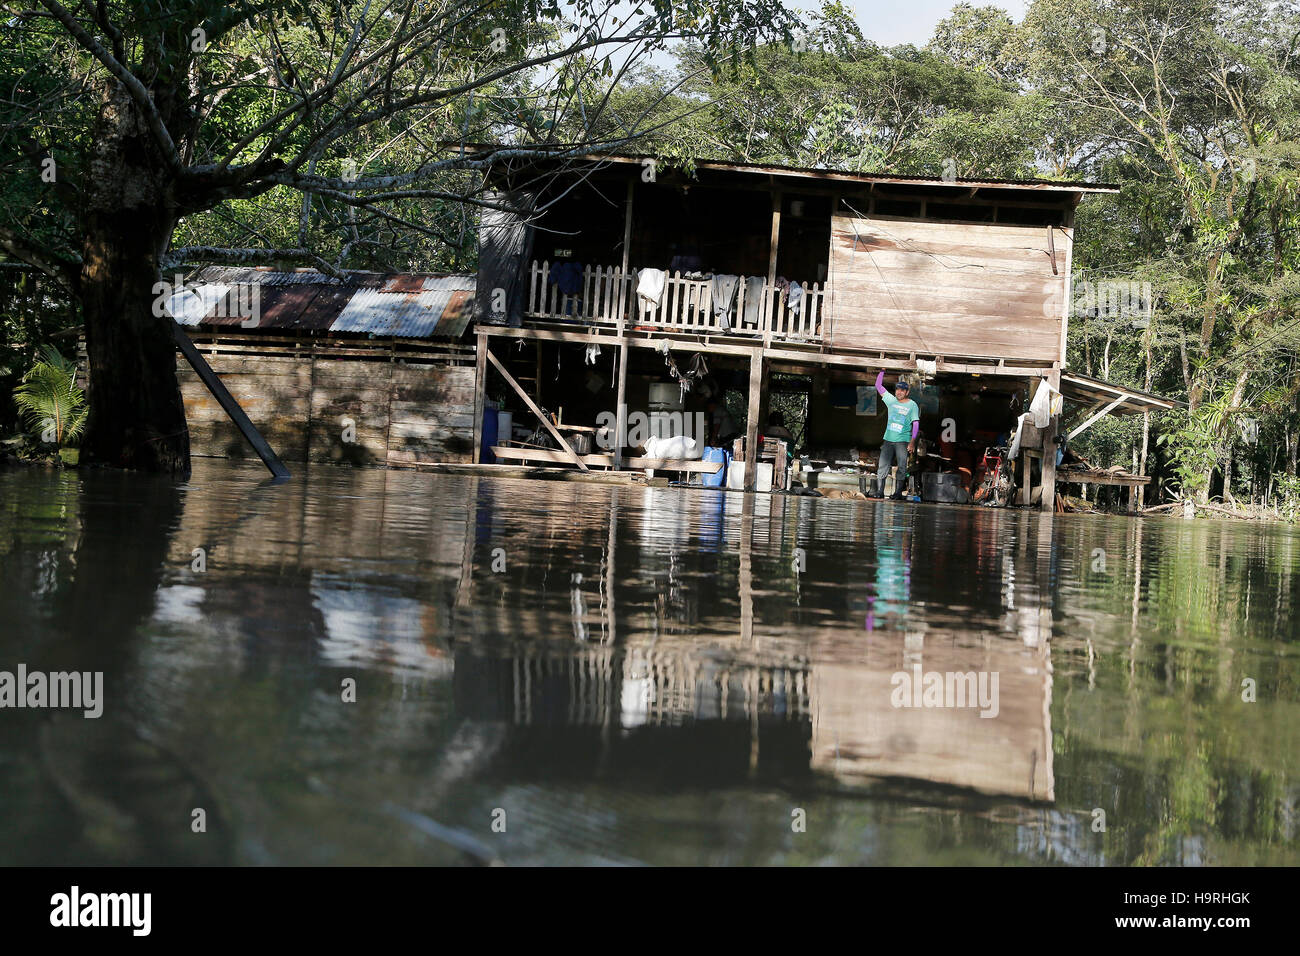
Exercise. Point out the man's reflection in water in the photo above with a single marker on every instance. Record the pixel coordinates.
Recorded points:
(891, 595)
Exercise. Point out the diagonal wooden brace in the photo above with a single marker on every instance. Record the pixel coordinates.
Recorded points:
(541, 416)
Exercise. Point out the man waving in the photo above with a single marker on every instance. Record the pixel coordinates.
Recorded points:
(900, 434)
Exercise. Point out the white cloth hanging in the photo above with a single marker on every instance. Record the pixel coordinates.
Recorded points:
(1014, 451)
(1045, 404)
(650, 286)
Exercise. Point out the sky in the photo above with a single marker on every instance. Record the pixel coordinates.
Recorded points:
(891, 22)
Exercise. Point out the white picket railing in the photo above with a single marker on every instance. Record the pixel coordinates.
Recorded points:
(607, 295)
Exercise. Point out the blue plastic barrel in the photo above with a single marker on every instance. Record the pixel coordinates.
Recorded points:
(716, 454)
(489, 437)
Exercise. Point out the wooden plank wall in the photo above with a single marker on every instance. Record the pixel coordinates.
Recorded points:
(273, 391)
(947, 288)
(315, 407)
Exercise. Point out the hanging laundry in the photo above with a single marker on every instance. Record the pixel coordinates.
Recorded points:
(754, 287)
(566, 275)
(1044, 405)
(723, 290)
(593, 352)
(795, 298)
(650, 286)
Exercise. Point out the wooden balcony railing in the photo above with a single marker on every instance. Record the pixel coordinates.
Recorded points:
(607, 294)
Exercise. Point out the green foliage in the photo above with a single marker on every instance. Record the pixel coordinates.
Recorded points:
(1288, 497)
(1193, 446)
(50, 400)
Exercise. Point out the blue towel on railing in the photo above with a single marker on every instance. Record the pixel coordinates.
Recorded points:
(567, 277)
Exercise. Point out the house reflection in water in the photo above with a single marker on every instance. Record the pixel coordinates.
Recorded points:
(658, 633)
(699, 655)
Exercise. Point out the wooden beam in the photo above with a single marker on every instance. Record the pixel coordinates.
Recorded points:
(620, 409)
(231, 407)
(548, 455)
(773, 245)
(524, 471)
(1048, 504)
(1101, 414)
(660, 464)
(480, 386)
(751, 431)
(961, 364)
(1068, 295)
(693, 465)
(541, 416)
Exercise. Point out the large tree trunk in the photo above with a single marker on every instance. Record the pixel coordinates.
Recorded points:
(137, 419)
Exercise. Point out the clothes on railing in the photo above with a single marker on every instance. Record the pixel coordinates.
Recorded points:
(700, 300)
(795, 299)
(723, 290)
(566, 275)
(754, 287)
(650, 286)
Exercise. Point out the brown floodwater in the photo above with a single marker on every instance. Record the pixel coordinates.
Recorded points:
(367, 666)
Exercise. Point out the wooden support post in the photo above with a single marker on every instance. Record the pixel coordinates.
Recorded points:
(780, 477)
(480, 387)
(620, 410)
(541, 416)
(751, 430)
(231, 407)
(1052, 378)
(767, 316)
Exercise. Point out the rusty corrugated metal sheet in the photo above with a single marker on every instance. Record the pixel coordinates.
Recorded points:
(322, 311)
(456, 316)
(404, 283)
(401, 306)
(413, 315)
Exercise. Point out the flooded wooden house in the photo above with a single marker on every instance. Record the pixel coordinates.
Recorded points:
(781, 288)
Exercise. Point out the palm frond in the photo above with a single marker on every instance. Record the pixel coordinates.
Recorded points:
(50, 399)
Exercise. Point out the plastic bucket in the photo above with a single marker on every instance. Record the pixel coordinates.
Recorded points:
(716, 454)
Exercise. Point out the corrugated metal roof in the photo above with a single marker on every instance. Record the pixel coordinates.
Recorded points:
(189, 306)
(401, 305)
(407, 315)
(481, 149)
(319, 314)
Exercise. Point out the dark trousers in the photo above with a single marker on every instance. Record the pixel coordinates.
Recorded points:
(892, 453)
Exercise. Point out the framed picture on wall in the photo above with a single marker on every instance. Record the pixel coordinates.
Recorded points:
(866, 403)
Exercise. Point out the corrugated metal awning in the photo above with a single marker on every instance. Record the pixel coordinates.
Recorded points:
(1126, 401)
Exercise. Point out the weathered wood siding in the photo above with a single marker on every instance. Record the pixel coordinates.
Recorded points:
(946, 288)
(274, 393)
(322, 404)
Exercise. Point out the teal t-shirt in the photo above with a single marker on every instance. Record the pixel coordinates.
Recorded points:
(901, 416)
